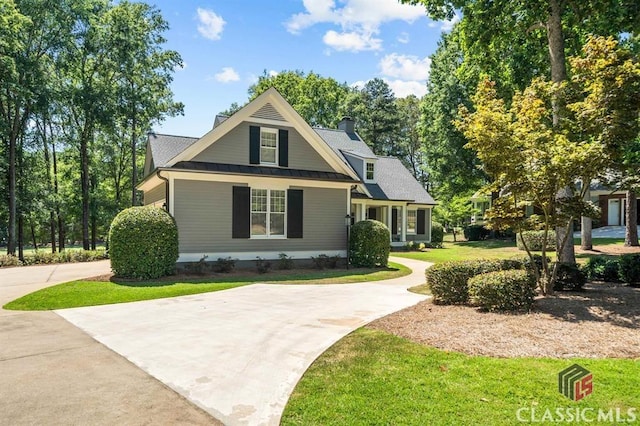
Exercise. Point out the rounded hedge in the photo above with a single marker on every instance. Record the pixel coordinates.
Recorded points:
(369, 244)
(510, 290)
(143, 243)
(437, 232)
(534, 240)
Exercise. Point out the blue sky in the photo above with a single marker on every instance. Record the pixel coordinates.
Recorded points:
(227, 44)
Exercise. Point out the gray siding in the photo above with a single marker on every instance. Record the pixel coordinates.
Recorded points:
(268, 112)
(357, 164)
(154, 195)
(233, 148)
(203, 214)
(427, 227)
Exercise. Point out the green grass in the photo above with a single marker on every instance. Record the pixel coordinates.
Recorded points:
(91, 293)
(374, 378)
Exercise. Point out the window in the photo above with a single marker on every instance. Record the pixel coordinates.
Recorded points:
(268, 210)
(412, 219)
(370, 171)
(268, 146)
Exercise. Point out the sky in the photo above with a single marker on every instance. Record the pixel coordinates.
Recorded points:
(227, 44)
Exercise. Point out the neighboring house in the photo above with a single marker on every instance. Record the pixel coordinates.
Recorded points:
(263, 182)
(612, 203)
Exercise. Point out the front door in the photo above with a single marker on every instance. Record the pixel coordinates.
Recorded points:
(614, 212)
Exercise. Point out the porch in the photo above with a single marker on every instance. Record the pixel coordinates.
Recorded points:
(407, 222)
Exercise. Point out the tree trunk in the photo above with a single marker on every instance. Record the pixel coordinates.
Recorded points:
(586, 242)
(133, 158)
(84, 178)
(11, 243)
(555, 38)
(20, 235)
(47, 164)
(33, 235)
(94, 231)
(631, 232)
(57, 201)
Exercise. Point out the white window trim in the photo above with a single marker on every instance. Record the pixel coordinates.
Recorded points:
(366, 173)
(277, 149)
(268, 213)
(415, 230)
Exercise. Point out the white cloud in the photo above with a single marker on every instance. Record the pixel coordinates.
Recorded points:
(403, 88)
(446, 26)
(359, 20)
(405, 67)
(210, 25)
(351, 41)
(273, 73)
(403, 38)
(227, 75)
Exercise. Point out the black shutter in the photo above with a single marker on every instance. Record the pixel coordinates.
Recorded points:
(294, 213)
(254, 145)
(394, 221)
(421, 220)
(241, 212)
(372, 213)
(283, 148)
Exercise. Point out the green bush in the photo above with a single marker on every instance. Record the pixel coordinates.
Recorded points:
(262, 265)
(437, 232)
(448, 281)
(629, 268)
(143, 243)
(369, 244)
(9, 260)
(510, 290)
(224, 265)
(325, 262)
(284, 261)
(476, 232)
(534, 240)
(602, 268)
(569, 277)
(42, 257)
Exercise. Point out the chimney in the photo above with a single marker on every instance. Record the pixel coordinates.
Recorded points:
(347, 124)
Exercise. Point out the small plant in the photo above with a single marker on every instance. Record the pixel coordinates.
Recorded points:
(262, 265)
(535, 240)
(284, 261)
(569, 277)
(9, 260)
(422, 246)
(509, 290)
(437, 232)
(325, 262)
(369, 244)
(602, 268)
(476, 233)
(629, 268)
(224, 265)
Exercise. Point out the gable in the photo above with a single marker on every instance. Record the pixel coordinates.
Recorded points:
(272, 111)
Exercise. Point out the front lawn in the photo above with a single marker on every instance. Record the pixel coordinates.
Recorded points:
(372, 377)
(90, 293)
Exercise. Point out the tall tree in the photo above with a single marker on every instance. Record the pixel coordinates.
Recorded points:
(409, 137)
(317, 99)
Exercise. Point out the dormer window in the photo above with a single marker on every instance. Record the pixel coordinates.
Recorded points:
(370, 172)
(268, 146)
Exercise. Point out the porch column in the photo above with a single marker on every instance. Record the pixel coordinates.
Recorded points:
(363, 211)
(403, 236)
(389, 215)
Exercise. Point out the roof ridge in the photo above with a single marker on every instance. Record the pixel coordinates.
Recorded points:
(175, 136)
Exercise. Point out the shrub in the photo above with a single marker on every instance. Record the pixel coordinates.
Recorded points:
(323, 261)
(285, 262)
(143, 243)
(369, 244)
(534, 240)
(437, 232)
(602, 268)
(569, 277)
(629, 268)
(224, 265)
(262, 266)
(448, 280)
(502, 290)
(476, 232)
(9, 260)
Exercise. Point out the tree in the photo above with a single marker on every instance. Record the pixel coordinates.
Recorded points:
(562, 20)
(532, 159)
(409, 137)
(454, 212)
(317, 99)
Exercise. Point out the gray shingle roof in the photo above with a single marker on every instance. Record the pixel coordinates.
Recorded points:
(340, 141)
(165, 147)
(395, 182)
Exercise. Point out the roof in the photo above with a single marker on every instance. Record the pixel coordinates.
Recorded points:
(262, 171)
(341, 142)
(165, 147)
(395, 182)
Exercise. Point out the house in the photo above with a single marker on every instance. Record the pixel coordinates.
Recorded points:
(612, 203)
(263, 182)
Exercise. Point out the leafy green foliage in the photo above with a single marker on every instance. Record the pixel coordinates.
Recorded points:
(535, 240)
(569, 277)
(143, 243)
(510, 290)
(448, 280)
(224, 265)
(629, 268)
(284, 261)
(602, 268)
(476, 232)
(369, 244)
(437, 232)
(262, 265)
(454, 212)
(323, 261)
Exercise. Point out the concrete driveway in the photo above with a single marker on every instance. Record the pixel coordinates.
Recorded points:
(239, 353)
